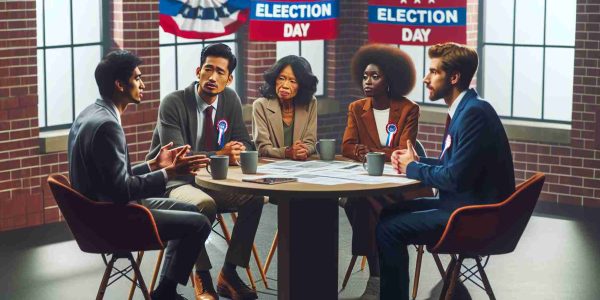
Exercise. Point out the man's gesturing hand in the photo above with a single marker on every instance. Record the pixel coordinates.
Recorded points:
(186, 165)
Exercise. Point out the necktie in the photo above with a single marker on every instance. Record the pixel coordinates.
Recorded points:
(448, 119)
(208, 130)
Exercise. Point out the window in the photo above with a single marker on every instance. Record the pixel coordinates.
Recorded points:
(420, 58)
(527, 58)
(313, 51)
(69, 46)
(179, 58)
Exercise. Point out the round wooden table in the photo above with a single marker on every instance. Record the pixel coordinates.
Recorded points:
(308, 228)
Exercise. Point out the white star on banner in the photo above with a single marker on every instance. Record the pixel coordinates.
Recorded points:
(402, 1)
(417, 2)
(431, 2)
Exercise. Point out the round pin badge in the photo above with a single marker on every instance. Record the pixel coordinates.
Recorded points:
(391, 128)
(222, 125)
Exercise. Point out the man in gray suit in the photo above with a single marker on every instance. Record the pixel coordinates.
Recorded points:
(208, 115)
(100, 169)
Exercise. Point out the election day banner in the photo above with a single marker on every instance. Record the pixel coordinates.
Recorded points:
(418, 22)
(202, 19)
(291, 20)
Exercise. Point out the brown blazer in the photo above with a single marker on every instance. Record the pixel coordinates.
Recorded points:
(267, 126)
(362, 129)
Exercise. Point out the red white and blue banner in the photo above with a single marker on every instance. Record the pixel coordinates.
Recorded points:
(291, 20)
(418, 22)
(194, 19)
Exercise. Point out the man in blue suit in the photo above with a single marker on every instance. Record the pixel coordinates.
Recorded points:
(475, 166)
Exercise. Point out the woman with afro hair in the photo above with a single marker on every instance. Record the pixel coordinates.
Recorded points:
(383, 121)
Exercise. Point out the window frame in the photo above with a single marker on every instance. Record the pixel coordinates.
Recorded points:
(104, 46)
(481, 43)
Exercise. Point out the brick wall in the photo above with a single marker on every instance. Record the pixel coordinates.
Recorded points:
(20, 165)
(256, 58)
(25, 200)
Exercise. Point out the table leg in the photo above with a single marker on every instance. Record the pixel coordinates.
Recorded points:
(308, 249)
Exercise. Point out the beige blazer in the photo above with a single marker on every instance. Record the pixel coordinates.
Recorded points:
(267, 126)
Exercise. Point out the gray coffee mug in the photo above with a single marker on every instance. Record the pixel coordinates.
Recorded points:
(326, 149)
(374, 163)
(249, 161)
(218, 166)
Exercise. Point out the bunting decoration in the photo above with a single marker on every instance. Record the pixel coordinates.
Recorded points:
(196, 19)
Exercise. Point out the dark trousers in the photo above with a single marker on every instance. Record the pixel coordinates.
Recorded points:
(363, 215)
(410, 222)
(185, 229)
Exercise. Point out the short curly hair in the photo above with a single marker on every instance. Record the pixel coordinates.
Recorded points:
(396, 65)
(307, 81)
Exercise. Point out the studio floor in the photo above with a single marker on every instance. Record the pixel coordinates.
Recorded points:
(558, 257)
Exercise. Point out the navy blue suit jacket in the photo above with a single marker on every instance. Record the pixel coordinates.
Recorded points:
(99, 165)
(477, 166)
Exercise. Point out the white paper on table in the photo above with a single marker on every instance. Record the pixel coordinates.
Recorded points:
(316, 179)
(331, 172)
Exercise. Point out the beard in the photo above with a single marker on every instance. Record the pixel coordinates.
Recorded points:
(442, 92)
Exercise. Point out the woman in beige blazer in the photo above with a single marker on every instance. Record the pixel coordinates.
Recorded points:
(284, 123)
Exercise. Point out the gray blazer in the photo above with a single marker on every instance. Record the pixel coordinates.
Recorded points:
(178, 123)
(99, 165)
(267, 126)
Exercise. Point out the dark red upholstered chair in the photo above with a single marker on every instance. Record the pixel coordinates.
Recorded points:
(481, 230)
(107, 229)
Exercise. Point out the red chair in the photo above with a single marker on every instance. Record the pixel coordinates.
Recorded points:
(482, 230)
(107, 229)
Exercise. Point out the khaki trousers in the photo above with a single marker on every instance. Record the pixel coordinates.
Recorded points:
(210, 203)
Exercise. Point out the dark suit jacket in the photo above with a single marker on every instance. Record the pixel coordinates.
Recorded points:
(178, 123)
(477, 167)
(99, 166)
(362, 128)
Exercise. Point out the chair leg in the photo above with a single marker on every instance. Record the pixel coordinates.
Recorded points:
(417, 271)
(271, 252)
(363, 263)
(224, 228)
(349, 271)
(156, 269)
(446, 278)
(439, 265)
(140, 279)
(263, 276)
(486, 282)
(454, 278)
(138, 261)
(105, 278)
